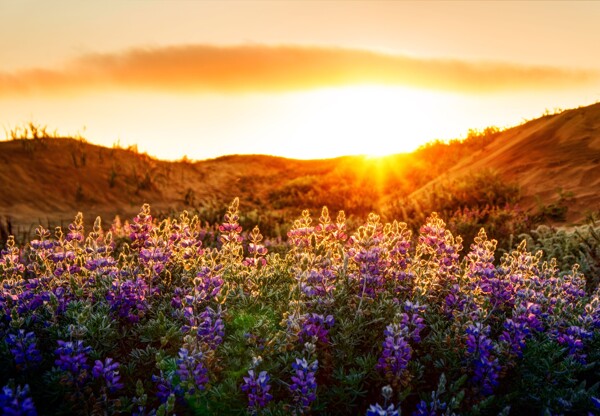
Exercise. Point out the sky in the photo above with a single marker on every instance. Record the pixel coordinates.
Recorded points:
(296, 79)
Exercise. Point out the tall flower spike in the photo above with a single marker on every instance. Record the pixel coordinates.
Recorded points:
(73, 359)
(486, 365)
(108, 371)
(16, 401)
(304, 384)
(396, 353)
(257, 388)
(24, 349)
(191, 371)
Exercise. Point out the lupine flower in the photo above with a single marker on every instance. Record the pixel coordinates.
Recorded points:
(191, 370)
(314, 325)
(304, 384)
(207, 285)
(141, 227)
(230, 237)
(76, 230)
(368, 253)
(414, 322)
(438, 245)
(318, 282)
(10, 260)
(257, 250)
(24, 349)
(378, 410)
(514, 336)
(257, 389)
(165, 387)
(301, 232)
(72, 357)
(129, 299)
(211, 328)
(109, 373)
(396, 352)
(16, 402)
(429, 409)
(572, 337)
(481, 350)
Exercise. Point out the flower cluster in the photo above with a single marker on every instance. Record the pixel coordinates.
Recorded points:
(257, 388)
(211, 328)
(108, 372)
(482, 351)
(16, 402)
(73, 359)
(304, 384)
(315, 327)
(396, 353)
(185, 305)
(129, 299)
(23, 347)
(191, 371)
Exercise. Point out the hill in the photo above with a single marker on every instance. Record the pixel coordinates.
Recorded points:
(553, 160)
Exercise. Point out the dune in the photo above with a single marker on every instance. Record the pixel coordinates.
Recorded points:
(549, 157)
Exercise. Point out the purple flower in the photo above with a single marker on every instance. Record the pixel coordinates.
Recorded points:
(315, 325)
(24, 349)
(141, 227)
(514, 336)
(304, 384)
(436, 244)
(211, 328)
(481, 350)
(318, 282)
(396, 352)
(109, 372)
(434, 408)
(16, 402)
(75, 233)
(207, 285)
(257, 389)
(164, 387)
(129, 299)
(72, 358)
(572, 337)
(378, 410)
(191, 370)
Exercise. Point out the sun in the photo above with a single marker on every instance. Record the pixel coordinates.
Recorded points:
(368, 120)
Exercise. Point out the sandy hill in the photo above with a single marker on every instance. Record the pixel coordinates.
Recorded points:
(549, 157)
(47, 181)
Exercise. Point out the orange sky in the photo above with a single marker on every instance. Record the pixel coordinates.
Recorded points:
(298, 79)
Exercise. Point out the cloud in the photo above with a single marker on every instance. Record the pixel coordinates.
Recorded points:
(259, 68)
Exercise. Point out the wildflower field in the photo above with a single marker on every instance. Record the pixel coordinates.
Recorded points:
(177, 317)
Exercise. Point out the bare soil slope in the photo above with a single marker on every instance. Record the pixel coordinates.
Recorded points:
(553, 155)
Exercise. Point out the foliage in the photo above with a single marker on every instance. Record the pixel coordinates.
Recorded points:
(580, 245)
(176, 316)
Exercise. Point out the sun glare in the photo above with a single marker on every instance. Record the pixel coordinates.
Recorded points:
(369, 120)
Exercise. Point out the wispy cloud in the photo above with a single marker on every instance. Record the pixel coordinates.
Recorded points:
(259, 68)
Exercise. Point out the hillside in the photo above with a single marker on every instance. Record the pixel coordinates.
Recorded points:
(48, 180)
(552, 157)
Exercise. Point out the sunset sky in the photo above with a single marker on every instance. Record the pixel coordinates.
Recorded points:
(297, 79)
